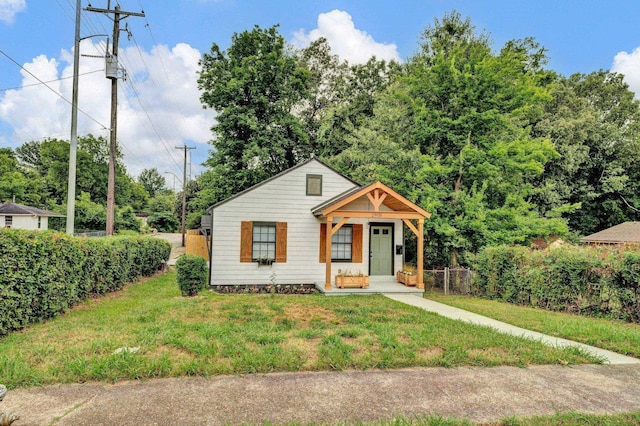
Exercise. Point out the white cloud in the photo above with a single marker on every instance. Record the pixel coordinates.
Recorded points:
(9, 9)
(629, 65)
(348, 42)
(158, 106)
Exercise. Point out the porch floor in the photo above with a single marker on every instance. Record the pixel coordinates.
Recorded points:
(377, 285)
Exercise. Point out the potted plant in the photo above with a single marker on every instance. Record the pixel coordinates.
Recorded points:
(408, 275)
(265, 260)
(347, 279)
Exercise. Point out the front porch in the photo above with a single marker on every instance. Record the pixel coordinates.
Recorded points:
(377, 285)
(374, 202)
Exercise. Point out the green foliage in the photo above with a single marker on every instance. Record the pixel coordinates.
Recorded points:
(163, 222)
(43, 274)
(191, 274)
(594, 122)
(452, 133)
(126, 219)
(89, 216)
(152, 181)
(253, 86)
(17, 183)
(573, 279)
(45, 167)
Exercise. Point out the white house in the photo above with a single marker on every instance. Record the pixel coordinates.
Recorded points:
(276, 231)
(13, 215)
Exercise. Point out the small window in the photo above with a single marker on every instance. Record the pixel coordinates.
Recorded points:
(314, 184)
(341, 244)
(8, 221)
(264, 241)
(39, 222)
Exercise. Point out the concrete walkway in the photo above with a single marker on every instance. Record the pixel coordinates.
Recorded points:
(462, 315)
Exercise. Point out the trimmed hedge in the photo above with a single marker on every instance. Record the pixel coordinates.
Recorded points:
(44, 273)
(581, 280)
(191, 273)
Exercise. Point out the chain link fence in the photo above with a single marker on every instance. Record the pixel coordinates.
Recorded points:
(451, 280)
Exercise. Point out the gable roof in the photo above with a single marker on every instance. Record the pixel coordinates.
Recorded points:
(15, 209)
(627, 232)
(392, 200)
(297, 166)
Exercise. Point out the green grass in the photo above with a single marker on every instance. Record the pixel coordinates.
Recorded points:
(614, 335)
(575, 419)
(560, 419)
(218, 334)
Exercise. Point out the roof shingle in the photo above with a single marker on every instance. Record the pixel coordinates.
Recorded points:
(627, 232)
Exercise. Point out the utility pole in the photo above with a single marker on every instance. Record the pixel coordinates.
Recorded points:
(73, 142)
(184, 188)
(112, 74)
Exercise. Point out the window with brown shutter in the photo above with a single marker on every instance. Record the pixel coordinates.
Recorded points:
(246, 241)
(338, 244)
(356, 249)
(281, 242)
(263, 240)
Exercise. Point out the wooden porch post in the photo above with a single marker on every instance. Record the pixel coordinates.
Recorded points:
(327, 250)
(420, 253)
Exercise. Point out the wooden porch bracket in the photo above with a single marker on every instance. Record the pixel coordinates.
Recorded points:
(327, 250)
(419, 233)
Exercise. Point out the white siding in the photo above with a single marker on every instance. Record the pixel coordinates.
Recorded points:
(25, 222)
(284, 199)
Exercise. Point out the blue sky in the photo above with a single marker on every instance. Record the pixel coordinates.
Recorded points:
(159, 105)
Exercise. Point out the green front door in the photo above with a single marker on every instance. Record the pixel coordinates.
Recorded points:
(381, 250)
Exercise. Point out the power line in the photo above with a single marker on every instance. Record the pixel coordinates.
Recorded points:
(49, 81)
(50, 88)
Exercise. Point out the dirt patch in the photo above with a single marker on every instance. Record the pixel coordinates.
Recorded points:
(430, 354)
(309, 349)
(307, 313)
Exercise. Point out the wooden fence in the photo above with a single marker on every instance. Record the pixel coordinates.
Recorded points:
(197, 244)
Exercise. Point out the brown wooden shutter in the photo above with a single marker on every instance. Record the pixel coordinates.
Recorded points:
(281, 242)
(356, 243)
(246, 241)
(323, 243)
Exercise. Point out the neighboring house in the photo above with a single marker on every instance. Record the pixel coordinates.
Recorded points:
(276, 231)
(13, 215)
(627, 233)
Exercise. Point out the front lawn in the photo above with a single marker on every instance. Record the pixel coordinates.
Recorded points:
(614, 335)
(164, 334)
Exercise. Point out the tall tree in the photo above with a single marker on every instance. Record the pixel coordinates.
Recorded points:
(254, 87)
(16, 183)
(467, 111)
(594, 122)
(152, 181)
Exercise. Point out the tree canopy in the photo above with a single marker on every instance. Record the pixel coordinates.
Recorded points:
(499, 148)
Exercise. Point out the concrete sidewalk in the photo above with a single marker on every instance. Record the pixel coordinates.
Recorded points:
(479, 394)
(462, 315)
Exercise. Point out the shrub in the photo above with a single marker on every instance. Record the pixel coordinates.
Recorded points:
(44, 273)
(163, 222)
(191, 274)
(581, 280)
